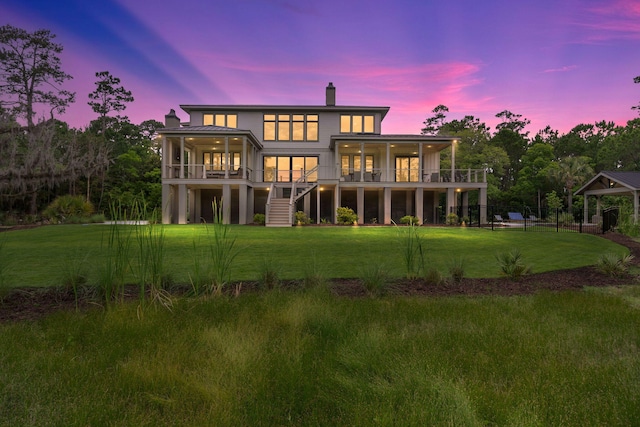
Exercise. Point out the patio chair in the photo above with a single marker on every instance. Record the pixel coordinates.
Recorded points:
(515, 216)
(498, 218)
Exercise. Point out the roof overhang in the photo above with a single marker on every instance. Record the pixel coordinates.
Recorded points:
(439, 142)
(211, 132)
(188, 108)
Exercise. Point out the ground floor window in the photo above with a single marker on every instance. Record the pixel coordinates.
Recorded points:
(289, 168)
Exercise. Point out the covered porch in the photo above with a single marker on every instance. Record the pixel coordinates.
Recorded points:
(611, 183)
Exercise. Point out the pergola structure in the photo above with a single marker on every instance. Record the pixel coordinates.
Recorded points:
(612, 183)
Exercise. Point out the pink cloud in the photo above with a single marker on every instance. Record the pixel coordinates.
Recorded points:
(561, 69)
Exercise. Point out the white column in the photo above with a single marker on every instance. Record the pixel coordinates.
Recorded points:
(336, 203)
(585, 209)
(166, 204)
(226, 203)
(182, 157)
(226, 156)
(182, 203)
(360, 204)
(451, 200)
(420, 204)
(387, 206)
(453, 161)
(482, 200)
(318, 205)
(242, 204)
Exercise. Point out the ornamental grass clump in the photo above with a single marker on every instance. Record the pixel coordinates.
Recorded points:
(269, 274)
(614, 264)
(457, 269)
(412, 249)
(375, 279)
(512, 265)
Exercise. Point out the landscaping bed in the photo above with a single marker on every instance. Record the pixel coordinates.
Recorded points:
(32, 303)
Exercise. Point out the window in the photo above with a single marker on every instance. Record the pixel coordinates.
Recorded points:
(224, 120)
(289, 168)
(356, 123)
(407, 169)
(351, 163)
(290, 127)
(216, 161)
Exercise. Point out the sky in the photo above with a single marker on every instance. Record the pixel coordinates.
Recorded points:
(558, 63)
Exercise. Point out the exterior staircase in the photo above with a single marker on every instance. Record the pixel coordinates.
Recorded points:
(279, 213)
(279, 210)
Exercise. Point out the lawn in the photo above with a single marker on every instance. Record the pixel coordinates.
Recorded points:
(310, 358)
(40, 257)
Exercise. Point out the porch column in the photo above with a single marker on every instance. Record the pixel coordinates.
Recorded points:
(420, 204)
(420, 165)
(387, 205)
(451, 200)
(166, 159)
(182, 202)
(166, 204)
(585, 209)
(408, 203)
(243, 162)
(336, 205)
(598, 205)
(482, 200)
(388, 160)
(362, 165)
(465, 203)
(197, 201)
(436, 204)
(226, 157)
(306, 204)
(242, 204)
(251, 204)
(360, 204)
(192, 206)
(182, 157)
(453, 161)
(318, 189)
(226, 202)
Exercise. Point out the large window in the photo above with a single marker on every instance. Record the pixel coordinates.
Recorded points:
(289, 168)
(352, 163)
(224, 120)
(290, 127)
(216, 161)
(356, 123)
(407, 169)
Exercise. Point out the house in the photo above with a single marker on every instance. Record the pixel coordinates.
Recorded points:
(279, 159)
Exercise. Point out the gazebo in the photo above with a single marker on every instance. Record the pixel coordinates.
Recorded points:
(611, 183)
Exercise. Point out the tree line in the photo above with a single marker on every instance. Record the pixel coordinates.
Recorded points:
(538, 170)
(110, 161)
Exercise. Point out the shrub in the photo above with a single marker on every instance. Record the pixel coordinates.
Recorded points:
(410, 219)
(302, 218)
(259, 219)
(68, 208)
(565, 218)
(433, 276)
(452, 219)
(346, 216)
(374, 278)
(456, 269)
(613, 264)
(269, 274)
(511, 264)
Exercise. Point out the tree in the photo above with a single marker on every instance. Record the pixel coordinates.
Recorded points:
(109, 96)
(570, 172)
(432, 125)
(636, 80)
(30, 72)
(513, 122)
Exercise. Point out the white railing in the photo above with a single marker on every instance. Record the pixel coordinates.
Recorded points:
(202, 171)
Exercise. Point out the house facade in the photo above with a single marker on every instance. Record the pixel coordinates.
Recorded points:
(280, 159)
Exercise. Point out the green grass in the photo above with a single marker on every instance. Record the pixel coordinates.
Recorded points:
(282, 358)
(37, 254)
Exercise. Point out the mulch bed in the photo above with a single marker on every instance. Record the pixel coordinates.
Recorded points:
(27, 304)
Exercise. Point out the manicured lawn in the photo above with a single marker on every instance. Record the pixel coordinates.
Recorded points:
(37, 257)
(294, 358)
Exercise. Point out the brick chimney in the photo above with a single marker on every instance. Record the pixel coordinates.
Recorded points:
(171, 120)
(331, 95)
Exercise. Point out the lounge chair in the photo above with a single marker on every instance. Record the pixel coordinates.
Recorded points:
(498, 218)
(515, 216)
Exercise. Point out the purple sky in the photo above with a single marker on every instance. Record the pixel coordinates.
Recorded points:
(558, 63)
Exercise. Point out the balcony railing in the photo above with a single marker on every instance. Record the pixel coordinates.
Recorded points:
(205, 172)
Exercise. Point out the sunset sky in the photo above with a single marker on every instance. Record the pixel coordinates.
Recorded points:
(558, 63)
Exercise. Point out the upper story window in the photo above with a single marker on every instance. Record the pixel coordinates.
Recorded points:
(290, 127)
(225, 120)
(356, 123)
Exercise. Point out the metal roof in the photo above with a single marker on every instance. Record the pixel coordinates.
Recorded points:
(286, 108)
(212, 131)
(445, 141)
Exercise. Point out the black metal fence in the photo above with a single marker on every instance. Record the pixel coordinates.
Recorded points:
(543, 219)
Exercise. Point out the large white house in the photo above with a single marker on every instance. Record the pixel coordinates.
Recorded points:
(279, 159)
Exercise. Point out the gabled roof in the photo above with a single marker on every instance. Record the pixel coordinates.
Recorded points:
(612, 182)
(210, 130)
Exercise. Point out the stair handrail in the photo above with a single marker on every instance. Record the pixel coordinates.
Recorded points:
(268, 206)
